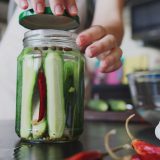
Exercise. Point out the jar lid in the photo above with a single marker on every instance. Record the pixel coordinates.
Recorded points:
(29, 19)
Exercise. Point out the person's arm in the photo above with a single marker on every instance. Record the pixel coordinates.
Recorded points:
(11, 10)
(103, 38)
(109, 14)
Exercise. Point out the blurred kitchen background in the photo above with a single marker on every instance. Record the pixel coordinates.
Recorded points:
(3, 16)
(108, 96)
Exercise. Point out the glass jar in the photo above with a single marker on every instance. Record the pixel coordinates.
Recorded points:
(50, 87)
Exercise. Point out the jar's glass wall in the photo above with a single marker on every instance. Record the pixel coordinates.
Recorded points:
(50, 94)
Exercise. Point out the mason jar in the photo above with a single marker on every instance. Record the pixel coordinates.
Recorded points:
(50, 87)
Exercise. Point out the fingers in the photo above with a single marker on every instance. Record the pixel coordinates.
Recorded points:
(105, 44)
(112, 61)
(57, 6)
(111, 68)
(38, 5)
(101, 45)
(71, 7)
(90, 35)
(23, 4)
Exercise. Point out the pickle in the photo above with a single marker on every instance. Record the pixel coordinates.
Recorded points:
(30, 69)
(53, 68)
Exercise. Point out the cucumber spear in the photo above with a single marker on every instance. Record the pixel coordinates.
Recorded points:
(30, 67)
(53, 67)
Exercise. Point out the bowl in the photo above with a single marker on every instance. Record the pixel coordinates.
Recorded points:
(145, 92)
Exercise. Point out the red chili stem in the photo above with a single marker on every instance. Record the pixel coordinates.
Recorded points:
(42, 94)
(116, 149)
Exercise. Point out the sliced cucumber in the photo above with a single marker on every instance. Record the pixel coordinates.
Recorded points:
(69, 91)
(53, 67)
(18, 96)
(79, 107)
(19, 88)
(38, 128)
(36, 105)
(30, 67)
(74, 92)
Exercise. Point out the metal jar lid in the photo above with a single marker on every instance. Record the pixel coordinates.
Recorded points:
(29, 19)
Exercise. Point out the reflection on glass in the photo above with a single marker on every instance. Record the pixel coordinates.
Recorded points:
(45, 151)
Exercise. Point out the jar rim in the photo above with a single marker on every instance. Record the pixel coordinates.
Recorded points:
(50, 37)
(49, 33)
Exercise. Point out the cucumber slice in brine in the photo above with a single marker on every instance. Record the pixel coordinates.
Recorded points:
(27, 78)
(53, 68)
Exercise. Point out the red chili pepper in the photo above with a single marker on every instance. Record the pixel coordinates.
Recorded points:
(86, 155)
(146, 149)
(139, 157)
(136, 157)
(42, 94)
(149, 158)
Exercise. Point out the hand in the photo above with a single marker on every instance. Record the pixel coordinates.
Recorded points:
(98, 43)
(57, 6)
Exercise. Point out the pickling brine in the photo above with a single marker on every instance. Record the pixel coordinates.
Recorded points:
(50, 88)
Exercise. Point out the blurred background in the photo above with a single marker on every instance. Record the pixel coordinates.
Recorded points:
(108, 96)
(3, 16)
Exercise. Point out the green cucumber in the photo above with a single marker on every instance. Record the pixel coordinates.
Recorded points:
(19, 88)
(74, 91)
(30, 67)
(18, 97)
(53, 68)
(69, 91)
(78, 115)
(38, 128)
(98, 105)
(117, 105)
